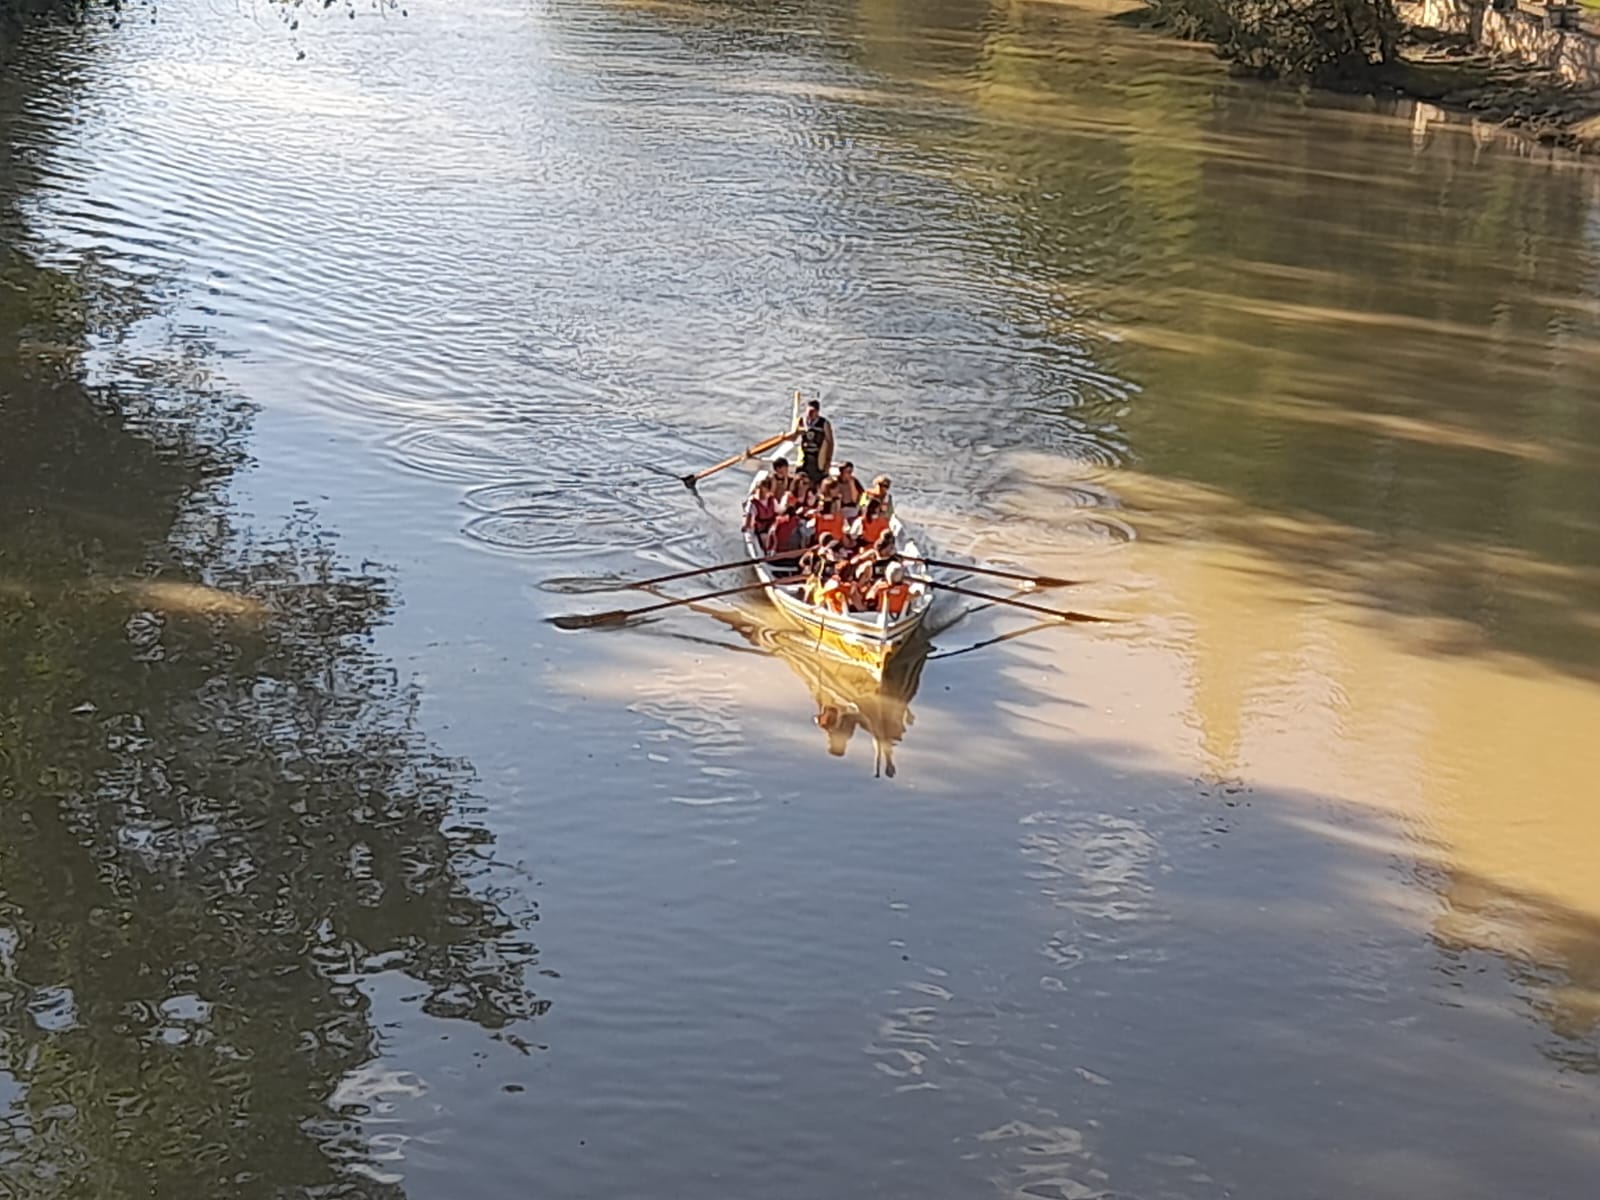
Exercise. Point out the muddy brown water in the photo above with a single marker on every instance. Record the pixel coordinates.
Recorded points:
(328, 868)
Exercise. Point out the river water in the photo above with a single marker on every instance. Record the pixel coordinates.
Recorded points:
(327, 867)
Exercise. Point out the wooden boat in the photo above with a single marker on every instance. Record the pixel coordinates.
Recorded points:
(867, 640)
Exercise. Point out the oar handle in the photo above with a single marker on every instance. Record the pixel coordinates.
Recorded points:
(1036, 580)
(727, 591)
(728, 566)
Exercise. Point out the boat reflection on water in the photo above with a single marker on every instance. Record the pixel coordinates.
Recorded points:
(849, 699)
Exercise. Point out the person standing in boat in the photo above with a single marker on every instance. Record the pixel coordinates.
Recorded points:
(814, 433)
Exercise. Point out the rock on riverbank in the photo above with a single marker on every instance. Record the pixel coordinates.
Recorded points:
(1449, 70)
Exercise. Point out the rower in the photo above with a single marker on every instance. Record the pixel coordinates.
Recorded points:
(817, 558)
(871, 524)
(891, 593)
(760, 507)
(860, 581)
(880, 491)
(830, 514)
(801, 488)
(849, 490)
(778, 472)
(880, 556)
(815, 435)
(785, 536)
(834, 594)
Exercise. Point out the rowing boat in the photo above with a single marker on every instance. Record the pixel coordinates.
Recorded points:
(869, 640)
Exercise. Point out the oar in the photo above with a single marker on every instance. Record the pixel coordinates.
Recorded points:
(1059, 614)
(1038, 581)
(759, 448)
(727, 566)
(617, 615)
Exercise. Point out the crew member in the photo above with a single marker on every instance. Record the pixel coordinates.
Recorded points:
(890, 594)
(815, 435)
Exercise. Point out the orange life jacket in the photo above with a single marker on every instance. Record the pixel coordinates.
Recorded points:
(892, 598)
(829, 523)
(834, 596)
(871, 529)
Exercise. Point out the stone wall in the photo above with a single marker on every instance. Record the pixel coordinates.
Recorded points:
(1524, 32)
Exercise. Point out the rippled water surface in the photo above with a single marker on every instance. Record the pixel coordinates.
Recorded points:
(328, 867)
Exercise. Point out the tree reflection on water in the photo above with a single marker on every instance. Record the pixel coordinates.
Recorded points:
(218, 820)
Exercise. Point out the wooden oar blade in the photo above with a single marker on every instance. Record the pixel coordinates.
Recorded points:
(590, 620)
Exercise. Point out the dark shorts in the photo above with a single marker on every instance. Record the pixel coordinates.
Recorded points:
(813, 472)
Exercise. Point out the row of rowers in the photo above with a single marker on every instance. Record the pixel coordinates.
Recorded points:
(831, 532)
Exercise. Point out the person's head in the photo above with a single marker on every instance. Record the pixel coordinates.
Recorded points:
(763, 479)
(872, 508)
(885, 543)
(895, 573)
(780, 468)
(791, 505)
(846, 470)
(881, 485)
(827, 542)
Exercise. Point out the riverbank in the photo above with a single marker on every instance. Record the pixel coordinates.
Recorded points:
(1532, 84)
(1449, 70)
